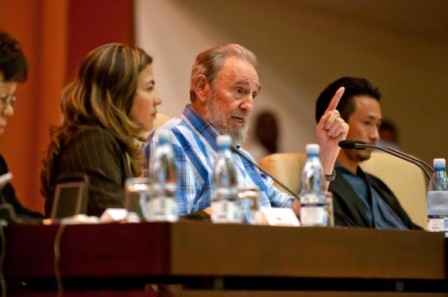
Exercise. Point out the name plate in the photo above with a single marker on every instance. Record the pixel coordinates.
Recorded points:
(114, 215)
(277, 217)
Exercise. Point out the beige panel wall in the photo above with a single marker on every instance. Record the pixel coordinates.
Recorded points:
(301, 49)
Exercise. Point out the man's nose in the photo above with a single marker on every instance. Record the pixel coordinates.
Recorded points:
(247, 104)
(375, 134)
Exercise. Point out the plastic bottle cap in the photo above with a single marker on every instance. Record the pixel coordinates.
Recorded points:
(439, 162)
(312, 148)
(224, 140)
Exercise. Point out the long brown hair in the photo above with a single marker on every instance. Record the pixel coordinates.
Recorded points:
(101, 95)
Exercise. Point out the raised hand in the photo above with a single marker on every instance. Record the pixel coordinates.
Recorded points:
(329, 131)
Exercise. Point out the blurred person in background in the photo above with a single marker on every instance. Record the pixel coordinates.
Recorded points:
(106, 109)
(388, 135)
(13, 70)
(264, 140)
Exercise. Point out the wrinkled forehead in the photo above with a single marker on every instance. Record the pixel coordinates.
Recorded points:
(239, 70)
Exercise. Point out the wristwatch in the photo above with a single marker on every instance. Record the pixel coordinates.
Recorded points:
(330, 177)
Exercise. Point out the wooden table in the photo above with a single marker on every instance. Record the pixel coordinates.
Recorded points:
(206, 259)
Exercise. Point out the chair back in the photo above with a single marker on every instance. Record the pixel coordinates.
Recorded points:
(161, 119)
(70, 196)
(406, 180)
(286, 167)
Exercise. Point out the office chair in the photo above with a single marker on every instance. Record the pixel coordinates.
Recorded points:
(70, 196)
(286, 167)
(406, 180)
(160, 119)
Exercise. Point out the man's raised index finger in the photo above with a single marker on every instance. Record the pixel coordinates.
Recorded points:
(335, 101)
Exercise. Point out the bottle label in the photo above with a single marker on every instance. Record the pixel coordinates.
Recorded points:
(226, 211)
(161, 209)
(437, 223)
(247, 209)
(314, 214)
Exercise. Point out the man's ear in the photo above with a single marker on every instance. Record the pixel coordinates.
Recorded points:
(201, 87)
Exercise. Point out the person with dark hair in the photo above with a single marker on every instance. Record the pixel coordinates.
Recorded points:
(265, 136)
(223, 86)
(106, 108)
(13, 70)
(361, 199)
(388, 135)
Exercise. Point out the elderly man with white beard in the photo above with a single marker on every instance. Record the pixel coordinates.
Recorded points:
(223, 86)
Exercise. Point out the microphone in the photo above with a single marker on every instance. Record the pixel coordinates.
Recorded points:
(237, 151)
(360, 145)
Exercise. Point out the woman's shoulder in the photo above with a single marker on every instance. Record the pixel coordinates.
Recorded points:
(94, 134)
(93, 130)
(93, 137)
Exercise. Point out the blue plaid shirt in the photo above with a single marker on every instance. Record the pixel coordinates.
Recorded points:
(195, 148)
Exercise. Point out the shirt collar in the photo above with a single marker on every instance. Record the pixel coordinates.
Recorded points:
(359, 172)
(202, 127)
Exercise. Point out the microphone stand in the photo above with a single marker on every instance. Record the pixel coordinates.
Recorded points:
(428, 170)
(422, 165)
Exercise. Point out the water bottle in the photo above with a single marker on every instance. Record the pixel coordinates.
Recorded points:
(136, 194)
(437, 198)
(313, 211)
(161, 204)
(224, 206)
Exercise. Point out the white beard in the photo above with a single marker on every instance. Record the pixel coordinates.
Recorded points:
(219, 121)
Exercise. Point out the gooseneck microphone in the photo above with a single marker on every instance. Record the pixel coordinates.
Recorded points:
(360, 145)
(238, 152)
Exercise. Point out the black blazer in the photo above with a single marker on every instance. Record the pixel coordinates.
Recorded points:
(349, 210)
(8, 195)
(98, 154)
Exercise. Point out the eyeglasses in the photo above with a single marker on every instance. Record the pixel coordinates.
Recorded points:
(8, 100)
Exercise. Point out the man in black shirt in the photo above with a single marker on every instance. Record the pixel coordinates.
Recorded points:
(361, 199)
